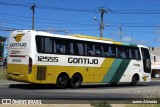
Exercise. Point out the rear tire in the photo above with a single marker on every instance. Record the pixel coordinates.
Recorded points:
(62, 81)
(76, 81)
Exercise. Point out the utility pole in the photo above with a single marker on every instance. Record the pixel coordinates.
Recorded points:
(101, 24)
(120, 28)
(33, 8)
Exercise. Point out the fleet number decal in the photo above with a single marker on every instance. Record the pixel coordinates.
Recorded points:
(47, 59)
(16, 60)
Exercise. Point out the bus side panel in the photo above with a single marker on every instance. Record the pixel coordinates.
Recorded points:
(134, 67)
(52, 73)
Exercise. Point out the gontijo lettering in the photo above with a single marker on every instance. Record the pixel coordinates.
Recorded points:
(18, 44)
(82, 60)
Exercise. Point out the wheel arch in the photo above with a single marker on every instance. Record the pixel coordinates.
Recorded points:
(137, 76)
(63, 73)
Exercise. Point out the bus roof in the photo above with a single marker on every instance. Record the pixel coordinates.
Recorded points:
(91, 37)
(80, 37)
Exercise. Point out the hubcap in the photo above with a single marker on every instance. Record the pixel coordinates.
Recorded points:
(62, 81)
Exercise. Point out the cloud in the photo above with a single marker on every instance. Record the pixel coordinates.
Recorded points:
(141, 42)
(127, 39)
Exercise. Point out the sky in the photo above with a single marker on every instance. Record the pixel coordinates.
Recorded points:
(138, 19)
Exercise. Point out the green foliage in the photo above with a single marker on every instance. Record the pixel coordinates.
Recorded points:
(3, 39)
(3, 73)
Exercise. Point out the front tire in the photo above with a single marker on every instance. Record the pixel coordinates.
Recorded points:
(76, 81)
(62, 81)
(134, 80)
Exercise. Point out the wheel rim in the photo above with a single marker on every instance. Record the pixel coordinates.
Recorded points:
(61, 81)
(135, 80)
(76, 81)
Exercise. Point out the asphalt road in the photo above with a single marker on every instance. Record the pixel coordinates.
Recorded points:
(103, 91)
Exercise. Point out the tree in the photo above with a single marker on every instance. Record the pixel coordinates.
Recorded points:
(2, 40)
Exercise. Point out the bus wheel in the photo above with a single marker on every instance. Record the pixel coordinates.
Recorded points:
(135, 79)
(62, 81)
(76, 81)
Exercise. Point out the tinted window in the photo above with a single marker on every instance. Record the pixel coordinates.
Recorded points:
(112, 51)
(146, 60)
(44, 44)
(48, 45)
(98, 50)
(122, 52)
(90, 48)
(60, 46)
(78, 48)
(137, 54)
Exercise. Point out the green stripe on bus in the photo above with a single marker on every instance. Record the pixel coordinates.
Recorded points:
(120, 71)
(133, 45)
(112, 70)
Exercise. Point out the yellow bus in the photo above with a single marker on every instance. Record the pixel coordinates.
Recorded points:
(45, 58)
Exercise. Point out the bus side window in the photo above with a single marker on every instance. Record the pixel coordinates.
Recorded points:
(102, 51)
(112, 51)
(97, 50)
(48, 45)
(130, 54)
(71, 50)
(60, 47)
(44, 44)
(78, 48)
(90, 49)
(123, 52)
(40, 44)
(69, 47)
(106, 50)
(137, 54)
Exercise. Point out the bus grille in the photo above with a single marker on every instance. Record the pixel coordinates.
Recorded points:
(41, 73)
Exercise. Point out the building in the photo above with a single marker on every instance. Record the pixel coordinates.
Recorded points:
(155, 61)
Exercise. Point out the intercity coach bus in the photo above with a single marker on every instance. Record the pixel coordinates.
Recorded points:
(45, 58)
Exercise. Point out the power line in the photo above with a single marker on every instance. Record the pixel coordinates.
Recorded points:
(48, 7)
(136, 11)
(14, 4)
(137, 26)
(42, 6)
